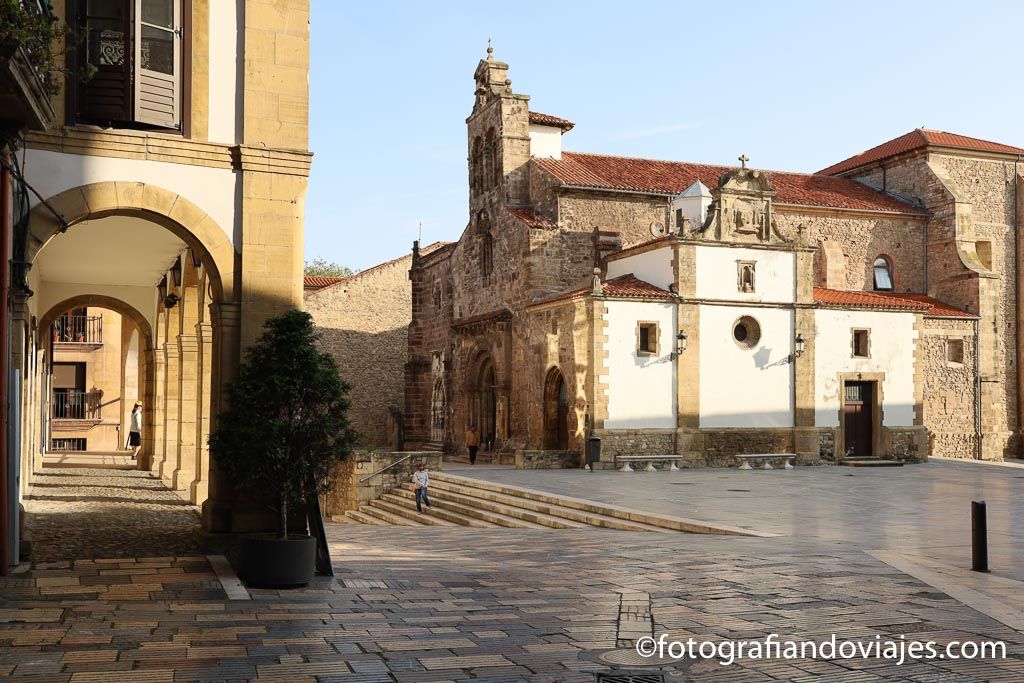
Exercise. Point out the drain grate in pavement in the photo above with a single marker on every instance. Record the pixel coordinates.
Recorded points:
(625, 677)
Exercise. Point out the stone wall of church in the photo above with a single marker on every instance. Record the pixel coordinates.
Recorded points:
(548, 337)
(429, 332)
(971, 200)
(363, 323)
(949, 388)
(861, 240)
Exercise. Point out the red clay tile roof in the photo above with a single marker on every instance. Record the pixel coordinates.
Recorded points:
(604, 172)
(530, 217)
(490, 316)
(921, 303)
(315, 282)
(918, 139)
(538, 119)
(625, 286)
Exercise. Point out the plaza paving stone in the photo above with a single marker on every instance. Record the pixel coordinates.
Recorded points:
(483, 604)
(80, 513)
(455, 603)
(922, 510)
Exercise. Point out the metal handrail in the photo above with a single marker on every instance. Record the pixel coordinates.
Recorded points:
(385, 469)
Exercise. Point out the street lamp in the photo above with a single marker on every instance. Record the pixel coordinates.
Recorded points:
(799, 343)
(680, 343)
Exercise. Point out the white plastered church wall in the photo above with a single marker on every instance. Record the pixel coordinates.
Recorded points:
(891, 344)
(545, 141)
(774, 274)
(745, 387)
(641, 388)
(653, 266)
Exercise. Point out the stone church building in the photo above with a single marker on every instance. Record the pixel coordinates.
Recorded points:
(869, 309)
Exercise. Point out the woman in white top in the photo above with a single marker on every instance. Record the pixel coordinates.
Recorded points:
(135, 430)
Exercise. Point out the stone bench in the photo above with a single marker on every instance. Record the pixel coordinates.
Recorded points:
(649, 459)
(745, 458)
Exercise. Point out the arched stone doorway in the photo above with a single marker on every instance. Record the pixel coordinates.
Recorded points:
(171, 269)
(483, 392)
(556, 411)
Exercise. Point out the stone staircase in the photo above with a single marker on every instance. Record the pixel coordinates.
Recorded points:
(461, 501)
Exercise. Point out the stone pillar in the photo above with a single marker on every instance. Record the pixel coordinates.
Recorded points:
(153, 438)
(805, 435)
(688, 439)
(199, 489)
(188, 351)
(172, 374)
(226, 323)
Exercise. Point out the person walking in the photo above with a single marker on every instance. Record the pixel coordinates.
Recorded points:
(135, 430)
(420, 481)
(473, 444)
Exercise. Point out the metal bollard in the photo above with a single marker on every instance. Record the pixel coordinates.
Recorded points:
(979, 537)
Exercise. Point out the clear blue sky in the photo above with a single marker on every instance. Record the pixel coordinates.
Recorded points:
(794, 86)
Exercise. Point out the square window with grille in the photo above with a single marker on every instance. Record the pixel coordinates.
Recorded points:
(647, 338)
(861, 344)
(955, 351)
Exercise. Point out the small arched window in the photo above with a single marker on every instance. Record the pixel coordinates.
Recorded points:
(883, 274)
(476, 165)
(493, 172)
(483, 226)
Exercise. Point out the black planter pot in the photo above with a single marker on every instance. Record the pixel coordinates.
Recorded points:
(278, 563)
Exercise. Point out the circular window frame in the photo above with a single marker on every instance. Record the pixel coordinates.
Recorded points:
(753, 332)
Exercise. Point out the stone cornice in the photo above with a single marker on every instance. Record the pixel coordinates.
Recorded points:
(169, 148)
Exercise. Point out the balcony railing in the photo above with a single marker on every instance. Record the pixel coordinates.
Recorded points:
(78, 329)
(73, 404)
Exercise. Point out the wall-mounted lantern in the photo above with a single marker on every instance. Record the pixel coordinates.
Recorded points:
(680, 343)
(176, 273)
(799, 343)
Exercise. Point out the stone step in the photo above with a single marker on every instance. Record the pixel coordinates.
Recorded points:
(496, 518)
(869, 462)
(362, 518)
(550, 514)
(613, 511)
(436, 512)
(397, 506)
(385, 516)
(506, 505)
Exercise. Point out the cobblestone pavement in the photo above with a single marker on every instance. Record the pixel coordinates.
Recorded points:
(449, 603)
(922, 510)
(83, 513)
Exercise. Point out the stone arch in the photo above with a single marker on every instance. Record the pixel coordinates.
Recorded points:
(482, 387)
(556, 411)
(146, 354)
(149, 202)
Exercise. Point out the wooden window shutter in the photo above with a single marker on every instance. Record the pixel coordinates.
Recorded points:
(108, 94)
(157, 61)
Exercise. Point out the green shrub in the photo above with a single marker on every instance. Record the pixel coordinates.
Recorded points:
(286, 425)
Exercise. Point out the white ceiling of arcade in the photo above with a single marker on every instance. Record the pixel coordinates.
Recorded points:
(118, 250)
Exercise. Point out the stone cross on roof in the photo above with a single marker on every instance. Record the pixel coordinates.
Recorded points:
(743, 160)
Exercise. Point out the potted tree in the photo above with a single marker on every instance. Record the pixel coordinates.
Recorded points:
(284, 431)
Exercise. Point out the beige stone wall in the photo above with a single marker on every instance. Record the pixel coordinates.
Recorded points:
(363, 322)
(858, 240)
(971, 200)
(949, 389)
